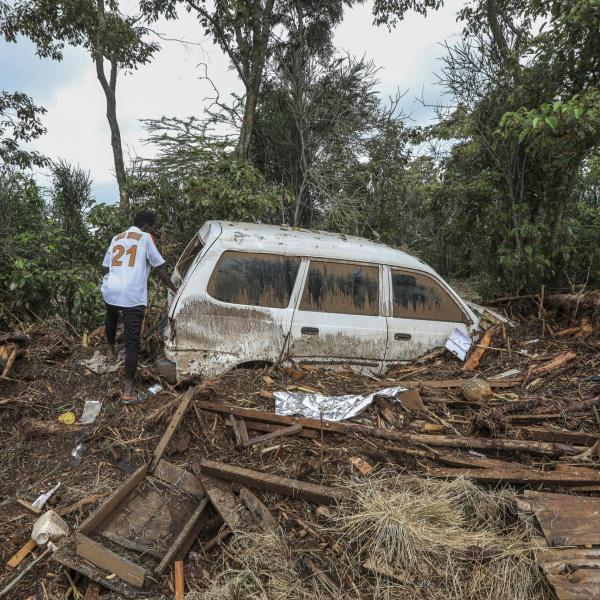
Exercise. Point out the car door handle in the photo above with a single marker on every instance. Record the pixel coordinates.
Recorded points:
(310, 330)
(402, 336)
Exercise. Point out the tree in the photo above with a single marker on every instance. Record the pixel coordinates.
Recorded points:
(100, 28)
(19, 122)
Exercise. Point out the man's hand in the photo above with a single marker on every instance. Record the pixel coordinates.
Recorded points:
(166, 278)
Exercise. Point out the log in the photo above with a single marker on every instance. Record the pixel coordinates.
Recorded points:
(274, 483)
(534, 447)
(583, 405)
(480, 349)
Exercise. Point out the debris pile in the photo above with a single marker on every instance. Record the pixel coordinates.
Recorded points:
(440, 487)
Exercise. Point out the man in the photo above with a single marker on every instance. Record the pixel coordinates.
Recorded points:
(126, 267)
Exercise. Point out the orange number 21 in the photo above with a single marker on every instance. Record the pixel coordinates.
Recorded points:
(119, 250)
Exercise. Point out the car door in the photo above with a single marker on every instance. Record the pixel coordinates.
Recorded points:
(423, 314)
(338, 318)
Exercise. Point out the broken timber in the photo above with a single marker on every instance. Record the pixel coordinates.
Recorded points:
(274, 483)
(267, 437)
(166, 438)
(522, 476)
(544, 448)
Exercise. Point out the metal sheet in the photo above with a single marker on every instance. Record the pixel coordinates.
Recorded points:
(330, 408)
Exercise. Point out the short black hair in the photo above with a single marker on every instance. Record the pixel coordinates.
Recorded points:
(144, 217)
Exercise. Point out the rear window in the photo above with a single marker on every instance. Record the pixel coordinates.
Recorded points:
(254, 279)
(188, 256)
(417, 296)
(341, 288)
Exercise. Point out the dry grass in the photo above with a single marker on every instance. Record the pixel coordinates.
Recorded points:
(439, 540)
(434, 540)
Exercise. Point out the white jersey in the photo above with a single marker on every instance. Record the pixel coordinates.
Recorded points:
(129, 257)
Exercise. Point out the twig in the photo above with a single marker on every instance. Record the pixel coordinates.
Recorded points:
(28, 568)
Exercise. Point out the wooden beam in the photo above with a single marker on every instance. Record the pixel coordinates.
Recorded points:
(521, 476)
(107, 509)
(267, 437)
(181, 538)
(108, 560)
(172, 427)
(480, 349)
(577, 438)
(281, 485)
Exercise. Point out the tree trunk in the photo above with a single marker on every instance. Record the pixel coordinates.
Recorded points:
(109, 88)
(245, 139)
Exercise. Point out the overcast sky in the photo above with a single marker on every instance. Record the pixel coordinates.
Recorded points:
(78, 132)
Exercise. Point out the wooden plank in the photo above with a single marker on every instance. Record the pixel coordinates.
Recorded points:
(470, 461)
(261, 514)
(236, 430)
(19, 556)
(224, 500)
(131, 544)
(281, 485)
(172, 427)
(182, 537)
(61, 512)
(567, 520)
(558, 361)
(67, 557)
(180, 478)
(310, 434)
(105, 559)
(525, 419)
(522, 476)
(511, 445)
(106, 509)
(179, 580)
(267, 437)
(577, 438)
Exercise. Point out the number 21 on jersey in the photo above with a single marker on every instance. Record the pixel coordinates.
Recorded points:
(118, 252)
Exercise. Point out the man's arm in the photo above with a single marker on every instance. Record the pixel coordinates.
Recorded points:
(165, 278)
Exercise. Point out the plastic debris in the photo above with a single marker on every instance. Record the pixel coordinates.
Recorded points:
(154, 389)
(77, 454)
(331, 408)
(67, 418)
(91, 410)
(43, 498)
(100, 364)
(49, 528)
(459, 343)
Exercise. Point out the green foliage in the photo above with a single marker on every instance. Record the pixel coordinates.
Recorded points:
(49, 256)
(19, 122)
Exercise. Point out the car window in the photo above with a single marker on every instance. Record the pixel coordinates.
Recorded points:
(417, 296)
(341, 288)
(254, 279)
(188, 256)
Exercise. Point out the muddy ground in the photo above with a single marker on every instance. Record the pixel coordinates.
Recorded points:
(48, 379)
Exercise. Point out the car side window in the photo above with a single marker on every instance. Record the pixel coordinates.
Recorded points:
(417, 296)
(341, 288)
(189, 254)
(254, 279)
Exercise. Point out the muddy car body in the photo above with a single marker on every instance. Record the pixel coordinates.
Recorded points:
(261, 294)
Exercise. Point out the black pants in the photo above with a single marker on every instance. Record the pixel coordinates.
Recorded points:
(132, 325)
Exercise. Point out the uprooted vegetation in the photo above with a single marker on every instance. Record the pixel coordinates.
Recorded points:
(412, 526)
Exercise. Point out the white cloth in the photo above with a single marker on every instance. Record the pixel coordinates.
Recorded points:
(129, 258)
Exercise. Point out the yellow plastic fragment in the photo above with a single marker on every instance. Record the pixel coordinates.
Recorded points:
(67, 418)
